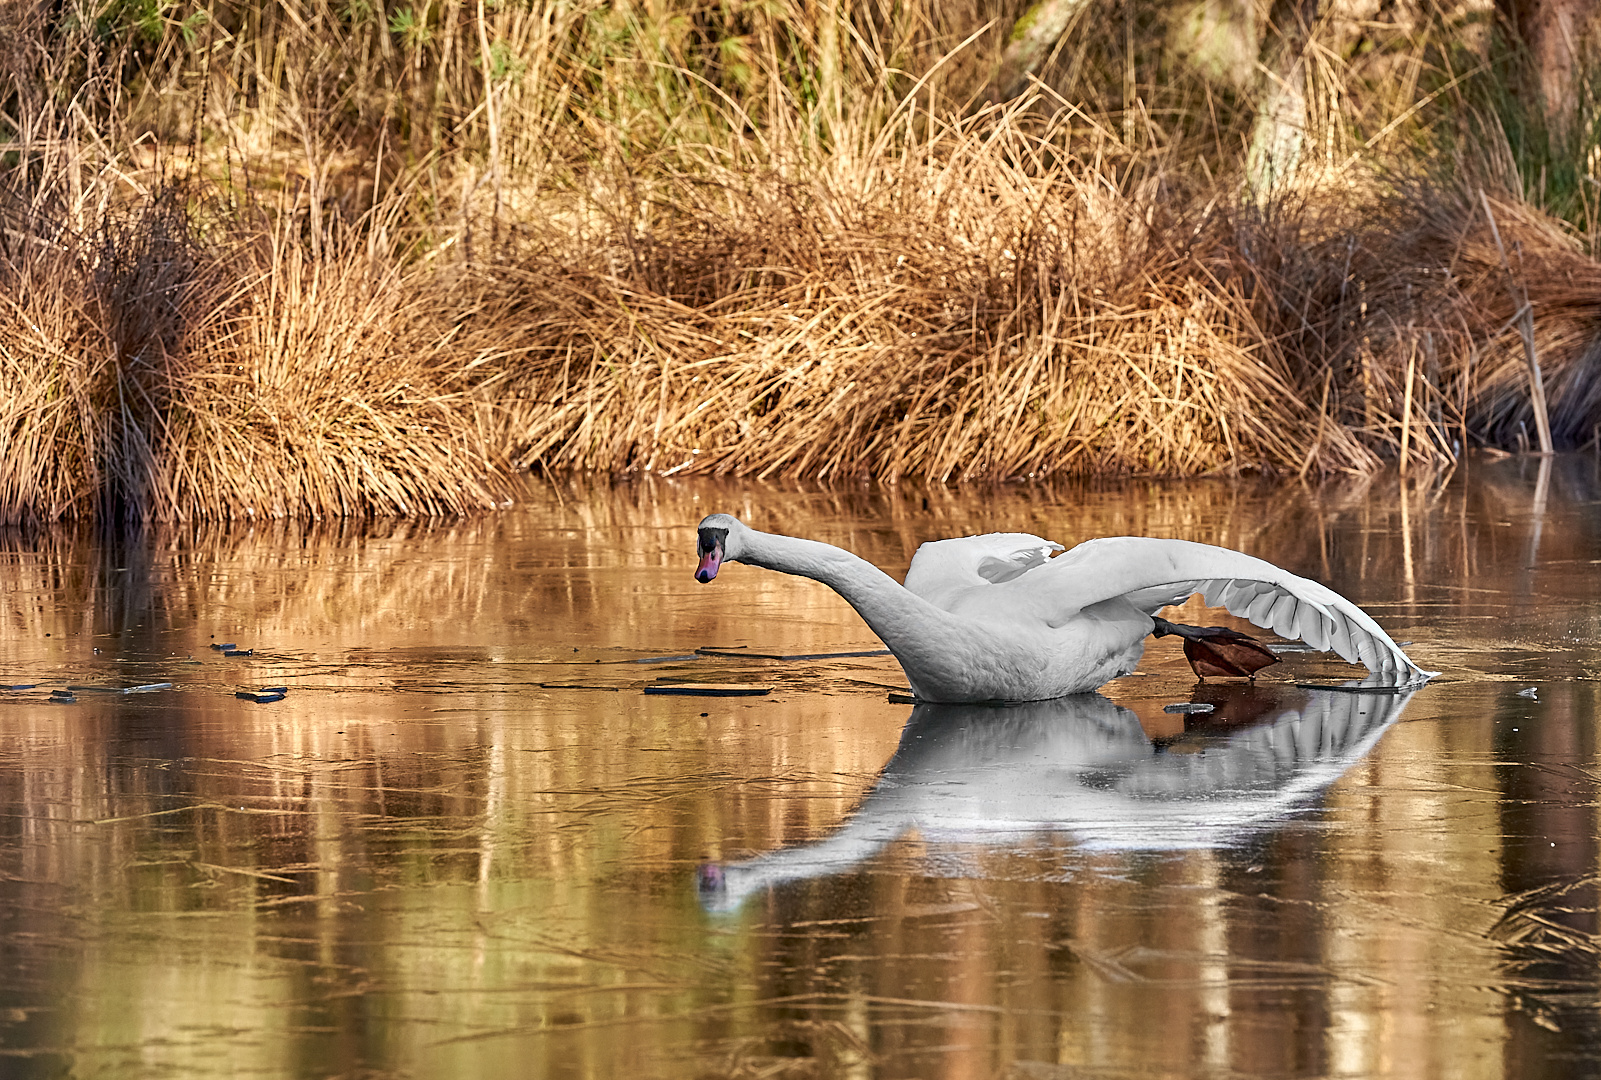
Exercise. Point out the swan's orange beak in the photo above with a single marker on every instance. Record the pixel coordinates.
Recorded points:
(711, 555)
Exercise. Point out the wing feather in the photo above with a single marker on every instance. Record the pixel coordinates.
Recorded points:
(1340, 640)
(943, 569)
(1313, 629)
(1260, 609)
(1153, 573)
(1282, 619)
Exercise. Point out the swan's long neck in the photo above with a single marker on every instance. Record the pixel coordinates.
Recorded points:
(854, 842)
(901, 619)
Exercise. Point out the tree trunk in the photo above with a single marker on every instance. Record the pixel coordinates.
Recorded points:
(1034, 34)
(1281, 115)
(1220, 38)
(1552, 31)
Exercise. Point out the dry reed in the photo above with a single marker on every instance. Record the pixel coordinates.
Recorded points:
(294, 261)
(966, 311)
(315, 386)
(149, 375)
(960, 310)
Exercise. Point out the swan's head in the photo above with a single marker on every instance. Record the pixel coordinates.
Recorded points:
(712, 886)
(720, 537)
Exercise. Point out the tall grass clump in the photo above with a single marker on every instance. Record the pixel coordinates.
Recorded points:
(1035, 288)
(53, 360)
(978, 304)
(308, 259)
(153, 374)
(1448, 283)
(193, 336)
(317, 385)
(150, 375)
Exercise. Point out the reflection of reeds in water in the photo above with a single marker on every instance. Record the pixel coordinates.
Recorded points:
(351, 618)
(550, 566)
(515, 839)
(533, 584)
(420, 844)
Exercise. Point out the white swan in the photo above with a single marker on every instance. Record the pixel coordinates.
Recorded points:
(996, 618)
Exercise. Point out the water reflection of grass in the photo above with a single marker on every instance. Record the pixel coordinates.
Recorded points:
(357, 594)
(419, 860)
(436, 873)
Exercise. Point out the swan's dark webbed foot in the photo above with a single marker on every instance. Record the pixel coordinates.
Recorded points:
(1217, 650)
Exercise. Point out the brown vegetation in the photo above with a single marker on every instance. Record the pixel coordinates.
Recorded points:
(986, 318)
(151, 375)
(293, 261)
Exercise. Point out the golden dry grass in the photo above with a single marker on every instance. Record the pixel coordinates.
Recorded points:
(986, 305)
(1460, 308)
(969, 307)
(299, 261)
(316, 385)
(150, 375)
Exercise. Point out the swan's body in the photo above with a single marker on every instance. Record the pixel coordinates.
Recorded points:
(995, 618)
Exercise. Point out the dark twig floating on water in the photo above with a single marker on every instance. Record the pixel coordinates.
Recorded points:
(710, 689)
(741, 654)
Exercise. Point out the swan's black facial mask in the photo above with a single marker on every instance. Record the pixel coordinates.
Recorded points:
(710, 550)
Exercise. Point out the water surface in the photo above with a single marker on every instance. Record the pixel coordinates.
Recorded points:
(466, 841)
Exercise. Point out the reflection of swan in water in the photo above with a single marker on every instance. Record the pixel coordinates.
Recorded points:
(1085, 767)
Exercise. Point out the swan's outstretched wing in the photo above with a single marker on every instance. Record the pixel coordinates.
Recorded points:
(1154, 573)
(943, 568)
